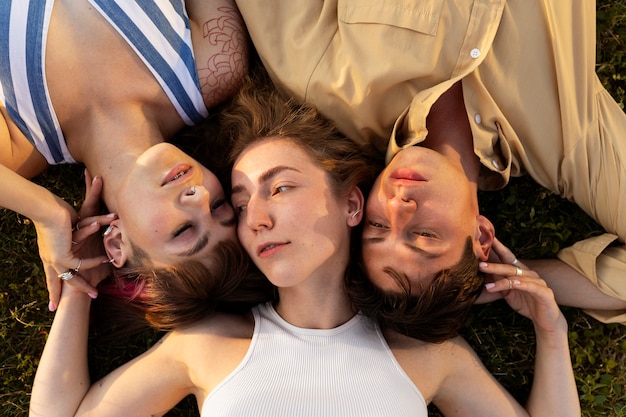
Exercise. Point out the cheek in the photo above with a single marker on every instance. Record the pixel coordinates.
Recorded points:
(243, 233)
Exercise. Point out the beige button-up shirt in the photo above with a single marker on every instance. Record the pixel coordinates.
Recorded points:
(533, 99)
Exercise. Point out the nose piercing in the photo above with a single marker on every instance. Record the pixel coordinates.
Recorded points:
(192, 190)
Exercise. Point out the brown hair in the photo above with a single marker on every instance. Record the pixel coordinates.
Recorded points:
(179, 295)
(437, 314)
(259, 111)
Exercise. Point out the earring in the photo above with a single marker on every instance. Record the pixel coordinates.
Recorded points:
(356, 213)
(108, 230)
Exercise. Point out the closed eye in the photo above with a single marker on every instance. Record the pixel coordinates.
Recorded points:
(182, 229)
(376, 225)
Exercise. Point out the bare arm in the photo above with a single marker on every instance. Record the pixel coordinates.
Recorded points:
(554, 389)
(572, 288)
(53, 219)
(151, 384)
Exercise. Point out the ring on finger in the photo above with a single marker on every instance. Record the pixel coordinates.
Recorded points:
(518, 271)
(67, 275)
(77, 227)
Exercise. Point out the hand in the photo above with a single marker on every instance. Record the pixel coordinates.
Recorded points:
(57, 246)
(88, 240)
(523, 290)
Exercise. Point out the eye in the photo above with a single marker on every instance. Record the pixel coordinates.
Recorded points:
(182, 229)
(239, 209)
(426, 234)
(280, 189)
(376, 225)
(218, 203)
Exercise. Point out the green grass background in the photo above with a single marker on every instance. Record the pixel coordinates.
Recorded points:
(530, 219)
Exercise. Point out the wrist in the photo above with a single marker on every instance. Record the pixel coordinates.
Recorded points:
(554, 338)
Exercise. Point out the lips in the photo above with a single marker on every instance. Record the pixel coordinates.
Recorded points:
(407, 175)
(176, 173)
(269, 249)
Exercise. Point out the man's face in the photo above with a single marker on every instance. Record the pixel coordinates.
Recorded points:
(418, 216)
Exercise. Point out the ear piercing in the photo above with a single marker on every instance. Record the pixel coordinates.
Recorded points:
(356, 213)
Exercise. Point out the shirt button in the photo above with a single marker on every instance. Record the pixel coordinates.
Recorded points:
(477, 118)
(495, 164)
(475, 53)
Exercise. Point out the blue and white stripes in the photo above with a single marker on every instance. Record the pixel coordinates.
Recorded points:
(23, 30)
(158, 31)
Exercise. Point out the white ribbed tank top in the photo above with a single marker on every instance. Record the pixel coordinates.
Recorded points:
(348, 371)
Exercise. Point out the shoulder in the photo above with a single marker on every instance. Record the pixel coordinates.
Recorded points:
(430, 365)
(219, 326)
(211, 349)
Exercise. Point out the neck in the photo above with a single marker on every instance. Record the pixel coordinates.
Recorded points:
(110, 148)
(450, 134)
(320, 301)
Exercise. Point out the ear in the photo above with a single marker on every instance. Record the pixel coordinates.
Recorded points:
(356, 205)
(485, 235)
(115, 245)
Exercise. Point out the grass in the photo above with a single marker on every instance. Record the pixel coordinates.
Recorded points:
(530, 219)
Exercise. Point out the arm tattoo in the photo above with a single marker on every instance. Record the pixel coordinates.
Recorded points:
(221, 74)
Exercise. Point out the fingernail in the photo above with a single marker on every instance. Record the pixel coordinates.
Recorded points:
(111, 215)
(516, 282)
(483, 264)
(490, 285)
(92, 295)
(52, 306)
(93, 180)
(94, 224)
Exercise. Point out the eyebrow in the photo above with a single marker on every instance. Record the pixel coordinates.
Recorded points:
(429, 255)
(199, 245)
(266, 176)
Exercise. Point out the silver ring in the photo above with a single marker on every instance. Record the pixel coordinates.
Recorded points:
(77, 227)
(67, 275)
(515, 261)
(510, 284)
(518, 271)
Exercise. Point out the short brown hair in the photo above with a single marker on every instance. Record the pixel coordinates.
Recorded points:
(437, 314)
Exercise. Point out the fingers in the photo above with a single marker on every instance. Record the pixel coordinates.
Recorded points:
(90, 225)
(54, 287)
(487, 296)
(504, 254)
(82, 285)
(506, 270)
(91, 205)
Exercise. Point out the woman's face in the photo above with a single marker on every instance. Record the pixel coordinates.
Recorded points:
(290, 223)
(173, 208)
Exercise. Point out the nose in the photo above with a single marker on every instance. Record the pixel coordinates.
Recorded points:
(401, 210)
(257, 215)
(195, 196)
